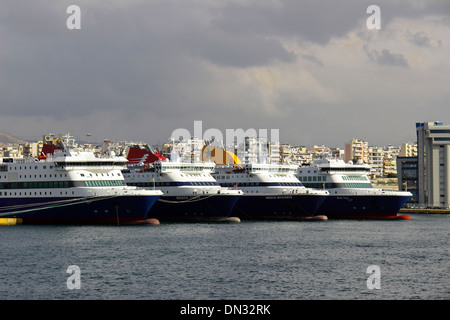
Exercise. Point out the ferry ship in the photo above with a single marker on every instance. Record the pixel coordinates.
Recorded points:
(69, 186)
(190, 192)
(271, 191)
(352, 195)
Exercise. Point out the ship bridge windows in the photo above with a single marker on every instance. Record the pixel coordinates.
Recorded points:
(357, 185)
(354, 178)
(104, 183)
(328, 185)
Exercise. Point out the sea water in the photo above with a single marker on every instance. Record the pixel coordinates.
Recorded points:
(250, 260)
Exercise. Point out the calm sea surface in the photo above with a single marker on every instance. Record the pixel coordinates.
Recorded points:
(247, 260)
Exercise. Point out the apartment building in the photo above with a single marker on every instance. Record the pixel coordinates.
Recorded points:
(356, 150)
(376, 161)
(408, 149)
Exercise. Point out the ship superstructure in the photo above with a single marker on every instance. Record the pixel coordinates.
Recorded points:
(71, 186)
(351, 192)
(190, 191)
(271, 191)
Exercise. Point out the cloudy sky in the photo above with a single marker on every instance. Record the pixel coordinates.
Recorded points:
(138, 70)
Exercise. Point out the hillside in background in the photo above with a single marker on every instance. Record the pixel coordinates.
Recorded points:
(6, 138)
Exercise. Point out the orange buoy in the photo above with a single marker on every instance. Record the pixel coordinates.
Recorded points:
(230, 219)
(152, 221)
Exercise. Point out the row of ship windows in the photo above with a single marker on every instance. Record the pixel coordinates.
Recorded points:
(60, 184)
(104, 183)
(173, 184)
(60, 175)
(35, 193)
(321, 185)
(324, 178)
(337, 185)
(86, 164)
(354, 178)
(5, 168)
(216, 176)
(101, 174)
(150, 176)
(40, 176)
(34, 185)
(271, 169)
(313, 178)
(328, 170)
(260, 184)
(357, 185)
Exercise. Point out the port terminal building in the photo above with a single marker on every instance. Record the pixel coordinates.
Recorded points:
(433, 164)
(407, 172)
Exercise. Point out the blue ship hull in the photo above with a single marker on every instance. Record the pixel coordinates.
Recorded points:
(91, 210)
(193, 208)
(278, 207)
(362, 206)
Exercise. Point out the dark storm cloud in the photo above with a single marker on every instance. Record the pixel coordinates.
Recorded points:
(412, 9)
(126, 56)
(116, 61)
(312, 59)
(420, 39)
(387, 58)
(237, 50)
(316, 21)
(179, 61)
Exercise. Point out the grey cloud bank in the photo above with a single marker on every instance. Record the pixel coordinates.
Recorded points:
(137, 70)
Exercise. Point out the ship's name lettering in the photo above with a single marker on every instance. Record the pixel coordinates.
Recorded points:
(278, 197)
